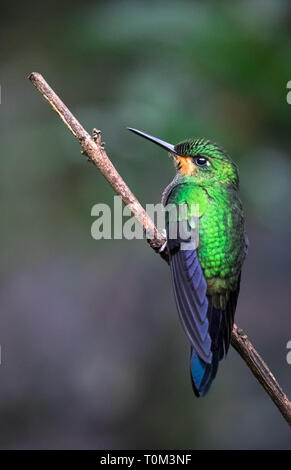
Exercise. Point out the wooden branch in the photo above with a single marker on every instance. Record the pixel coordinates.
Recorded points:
(93, 148)
(261, 371)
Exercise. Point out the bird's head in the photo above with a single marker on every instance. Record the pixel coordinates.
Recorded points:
(199, 159)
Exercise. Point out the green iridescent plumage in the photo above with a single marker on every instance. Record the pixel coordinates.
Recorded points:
(214, 188)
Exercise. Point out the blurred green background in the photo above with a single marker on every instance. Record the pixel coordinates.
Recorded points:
(93, 355)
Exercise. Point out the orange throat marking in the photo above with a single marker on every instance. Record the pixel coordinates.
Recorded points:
(185, 165)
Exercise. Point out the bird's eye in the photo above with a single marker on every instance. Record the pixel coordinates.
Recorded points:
(201, 161)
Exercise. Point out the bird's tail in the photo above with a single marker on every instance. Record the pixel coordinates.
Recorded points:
(203, 374)
(220, 327)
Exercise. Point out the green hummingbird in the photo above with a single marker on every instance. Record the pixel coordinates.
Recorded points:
(205, 275)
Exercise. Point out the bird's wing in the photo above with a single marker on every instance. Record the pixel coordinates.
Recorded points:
(207, 326)
(190, 293)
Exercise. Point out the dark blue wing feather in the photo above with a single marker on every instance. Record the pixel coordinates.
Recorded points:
(192, 311)
(190, 294)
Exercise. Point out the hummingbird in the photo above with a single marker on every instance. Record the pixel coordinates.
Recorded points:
(205, 275)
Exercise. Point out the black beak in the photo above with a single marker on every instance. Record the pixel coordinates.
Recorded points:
(161, 143)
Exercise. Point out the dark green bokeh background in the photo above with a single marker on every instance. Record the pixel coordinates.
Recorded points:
(93, 355)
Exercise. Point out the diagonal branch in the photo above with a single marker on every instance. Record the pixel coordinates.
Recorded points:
(93, 148)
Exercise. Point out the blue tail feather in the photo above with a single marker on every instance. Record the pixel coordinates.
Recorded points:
(202, 373)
